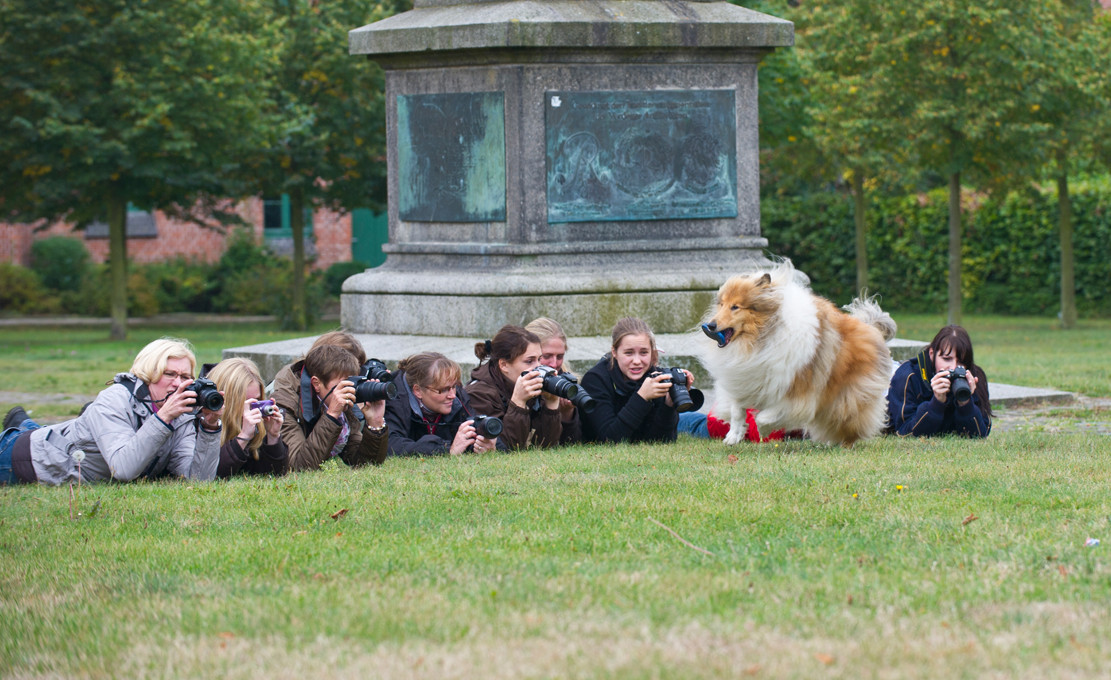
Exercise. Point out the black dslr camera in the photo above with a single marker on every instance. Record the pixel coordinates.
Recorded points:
(365, 390)
(208, 395)
(487, 426)
(958, 384)
(684, 399)
(564, 385)
(376, 370)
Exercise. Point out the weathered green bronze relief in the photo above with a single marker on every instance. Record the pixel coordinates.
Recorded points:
(451, 157)
(641, 155)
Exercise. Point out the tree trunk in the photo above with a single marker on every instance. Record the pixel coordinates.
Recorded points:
(861, 232)
(1064, 226)
(955, 248)
(298, 316)
(117, 265)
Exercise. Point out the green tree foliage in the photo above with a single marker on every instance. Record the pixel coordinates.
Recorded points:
(330, 140)
(855, 125)
(108, 102)
(955, 82)
(1077, 107)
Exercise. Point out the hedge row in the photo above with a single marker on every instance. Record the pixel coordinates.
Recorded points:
(1010, 247)
(247, 280)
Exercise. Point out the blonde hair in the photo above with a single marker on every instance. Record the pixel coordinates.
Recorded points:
(233, 377)
(633, 326)
(547, 329)
(151, 361)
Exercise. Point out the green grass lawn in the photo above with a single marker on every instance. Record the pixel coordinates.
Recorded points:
(896, 558)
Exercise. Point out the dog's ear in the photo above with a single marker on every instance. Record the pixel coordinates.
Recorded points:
(764, 280)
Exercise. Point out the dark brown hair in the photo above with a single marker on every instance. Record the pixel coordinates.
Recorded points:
(955, 338)
(509, 343)
(346, 341)
(328, 362)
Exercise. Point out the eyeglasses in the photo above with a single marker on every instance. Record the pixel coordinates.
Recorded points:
(174, 375)
(441, 391)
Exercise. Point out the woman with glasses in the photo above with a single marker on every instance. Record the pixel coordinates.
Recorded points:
(431, 414)
(145, 424)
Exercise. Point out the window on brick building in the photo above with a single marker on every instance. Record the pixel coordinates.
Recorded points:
(275, 218)
(140, 224)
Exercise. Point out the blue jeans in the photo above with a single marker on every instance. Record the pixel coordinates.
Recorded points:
(694, 424)
(7, 443)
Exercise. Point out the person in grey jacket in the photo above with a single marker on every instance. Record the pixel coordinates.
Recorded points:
(143, 425)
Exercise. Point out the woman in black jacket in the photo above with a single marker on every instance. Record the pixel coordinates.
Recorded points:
(631, 393)
(431, 414)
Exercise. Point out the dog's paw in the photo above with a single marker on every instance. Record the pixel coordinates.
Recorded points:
(734, 436)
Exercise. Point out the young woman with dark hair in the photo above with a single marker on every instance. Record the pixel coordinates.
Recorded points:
(509, 387)
(922, 400)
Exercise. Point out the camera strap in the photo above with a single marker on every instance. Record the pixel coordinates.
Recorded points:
(308, 410)
(140, 392)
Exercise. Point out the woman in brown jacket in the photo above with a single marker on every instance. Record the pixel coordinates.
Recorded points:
(509, 387)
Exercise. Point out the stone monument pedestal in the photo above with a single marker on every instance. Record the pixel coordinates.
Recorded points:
(585, 161)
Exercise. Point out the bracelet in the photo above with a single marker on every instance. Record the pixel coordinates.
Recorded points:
(376, 430)
(219, 426)
(243, 439)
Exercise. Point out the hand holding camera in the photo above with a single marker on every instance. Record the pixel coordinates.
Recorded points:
(564, 386)
(270, 412)
(680, 392)
(528, 386)
(956, 382)
(192, 398)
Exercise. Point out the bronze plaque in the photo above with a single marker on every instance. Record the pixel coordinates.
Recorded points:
(451, 157)
(641, 155)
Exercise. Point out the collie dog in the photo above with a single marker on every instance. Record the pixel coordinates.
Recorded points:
(793, 355)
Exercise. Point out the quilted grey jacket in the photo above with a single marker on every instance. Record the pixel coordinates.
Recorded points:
(123, 440)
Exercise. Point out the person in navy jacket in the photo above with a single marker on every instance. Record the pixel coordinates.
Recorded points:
(919, 401)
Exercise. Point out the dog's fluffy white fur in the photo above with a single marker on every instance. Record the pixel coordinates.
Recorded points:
(798, 359)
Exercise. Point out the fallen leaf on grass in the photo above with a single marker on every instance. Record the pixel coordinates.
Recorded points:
(1063, 571)
(970, 518)
(226, 635)
(339, 513)
(732, 459)
(825, 658)
(753, 669)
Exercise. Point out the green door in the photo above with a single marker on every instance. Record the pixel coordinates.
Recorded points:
(368, 232)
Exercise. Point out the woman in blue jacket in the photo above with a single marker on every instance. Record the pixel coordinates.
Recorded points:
(924, 398)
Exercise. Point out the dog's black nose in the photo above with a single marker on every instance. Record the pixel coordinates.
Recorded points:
(713, 326)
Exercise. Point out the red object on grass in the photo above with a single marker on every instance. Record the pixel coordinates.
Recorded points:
(718, 428)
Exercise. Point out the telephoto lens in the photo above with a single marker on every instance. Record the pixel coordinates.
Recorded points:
(208, 395)
(367, 390)
(487, 426)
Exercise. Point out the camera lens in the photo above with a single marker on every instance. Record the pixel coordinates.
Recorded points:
(487, 426)
(367, 390)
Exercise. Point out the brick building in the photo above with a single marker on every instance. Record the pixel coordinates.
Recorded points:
(153, 237)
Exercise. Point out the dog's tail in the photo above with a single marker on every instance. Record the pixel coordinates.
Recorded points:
(868, 310)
